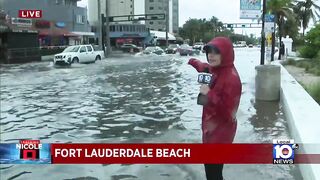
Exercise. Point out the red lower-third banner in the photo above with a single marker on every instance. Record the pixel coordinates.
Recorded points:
(280, 152)
(162, 153)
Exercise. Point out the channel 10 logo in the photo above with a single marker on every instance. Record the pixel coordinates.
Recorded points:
(283, 151)
(204, 78)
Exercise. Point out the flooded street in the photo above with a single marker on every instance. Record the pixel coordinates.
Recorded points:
(128, 99)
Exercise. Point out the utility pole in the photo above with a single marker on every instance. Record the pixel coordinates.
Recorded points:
(273, 40)
(263, 36)
(107, 29)
(167, 23)
(99, 25)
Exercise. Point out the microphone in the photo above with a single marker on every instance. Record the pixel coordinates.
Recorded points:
(204, 78)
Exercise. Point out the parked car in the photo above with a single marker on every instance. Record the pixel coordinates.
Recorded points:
(198, 46)
(130, 48)
(185, 50)
(78, 54)
(153, 50)
(172, 49)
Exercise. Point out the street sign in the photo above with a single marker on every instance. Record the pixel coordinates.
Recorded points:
(250, 9)
(269, 24)
(269, 39)
(269, 18)
(269, 27)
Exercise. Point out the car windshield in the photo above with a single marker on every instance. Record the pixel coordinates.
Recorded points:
(173, 46)
(186, 46)
(72, 49)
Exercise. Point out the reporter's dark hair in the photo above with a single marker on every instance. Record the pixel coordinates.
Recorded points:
(209, 48)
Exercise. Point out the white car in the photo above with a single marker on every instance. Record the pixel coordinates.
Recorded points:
(198, 45)
(78, 54)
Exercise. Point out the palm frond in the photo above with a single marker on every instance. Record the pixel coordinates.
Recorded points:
(315, 6)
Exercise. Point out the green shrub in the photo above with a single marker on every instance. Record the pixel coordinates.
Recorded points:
(308, 52)
(314, 91)
(318, 56)
(312, 39)
(302, 64)
(314, 70)
(290, 62)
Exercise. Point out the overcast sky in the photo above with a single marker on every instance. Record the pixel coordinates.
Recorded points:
(227, 11)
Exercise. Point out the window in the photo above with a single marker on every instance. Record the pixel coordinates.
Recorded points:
(89, 48)
(83, 49)
(120, 29)
(151, 8)
(81, 19)
(151, 1)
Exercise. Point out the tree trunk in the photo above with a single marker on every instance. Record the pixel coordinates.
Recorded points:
(303, 30)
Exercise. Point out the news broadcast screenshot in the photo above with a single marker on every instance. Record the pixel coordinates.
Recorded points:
(160, 89)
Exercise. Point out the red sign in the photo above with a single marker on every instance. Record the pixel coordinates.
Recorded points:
(30, 13)
(42, 24)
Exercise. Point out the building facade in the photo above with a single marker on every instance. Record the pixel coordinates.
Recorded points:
(62, 22)
(133, 32)
(116, 8)
(170, 7)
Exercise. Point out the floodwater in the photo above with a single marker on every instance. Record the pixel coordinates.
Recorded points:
(128, 99)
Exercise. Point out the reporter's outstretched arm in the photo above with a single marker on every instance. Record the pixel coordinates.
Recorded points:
(198, 65)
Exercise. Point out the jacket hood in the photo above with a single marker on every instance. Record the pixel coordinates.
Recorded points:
(225, 47)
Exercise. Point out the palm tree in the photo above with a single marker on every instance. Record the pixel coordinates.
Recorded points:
(307, 10)
(283, 11)
(217, 25)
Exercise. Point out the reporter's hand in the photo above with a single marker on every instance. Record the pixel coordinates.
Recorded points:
(204, 89)
(192, 60)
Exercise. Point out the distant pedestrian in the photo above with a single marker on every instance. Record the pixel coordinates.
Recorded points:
(219, 122)
(282, 51)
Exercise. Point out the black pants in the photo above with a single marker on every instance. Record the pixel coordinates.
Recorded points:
(214, 171)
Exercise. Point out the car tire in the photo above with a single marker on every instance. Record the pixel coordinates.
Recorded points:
(75, 60)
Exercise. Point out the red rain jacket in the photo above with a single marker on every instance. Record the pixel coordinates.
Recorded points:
(219, 114)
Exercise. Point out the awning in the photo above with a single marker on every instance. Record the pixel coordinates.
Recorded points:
(55, 32)
(83, 33)
(161, 35)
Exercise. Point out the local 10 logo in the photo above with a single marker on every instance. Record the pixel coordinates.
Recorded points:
(283, 151)
(204, 78)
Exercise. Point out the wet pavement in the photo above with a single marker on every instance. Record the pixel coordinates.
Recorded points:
(128, 99)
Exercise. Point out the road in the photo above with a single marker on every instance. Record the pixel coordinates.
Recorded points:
(136, 99)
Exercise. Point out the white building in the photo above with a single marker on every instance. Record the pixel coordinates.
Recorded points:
(163, 6)
(116, 8)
